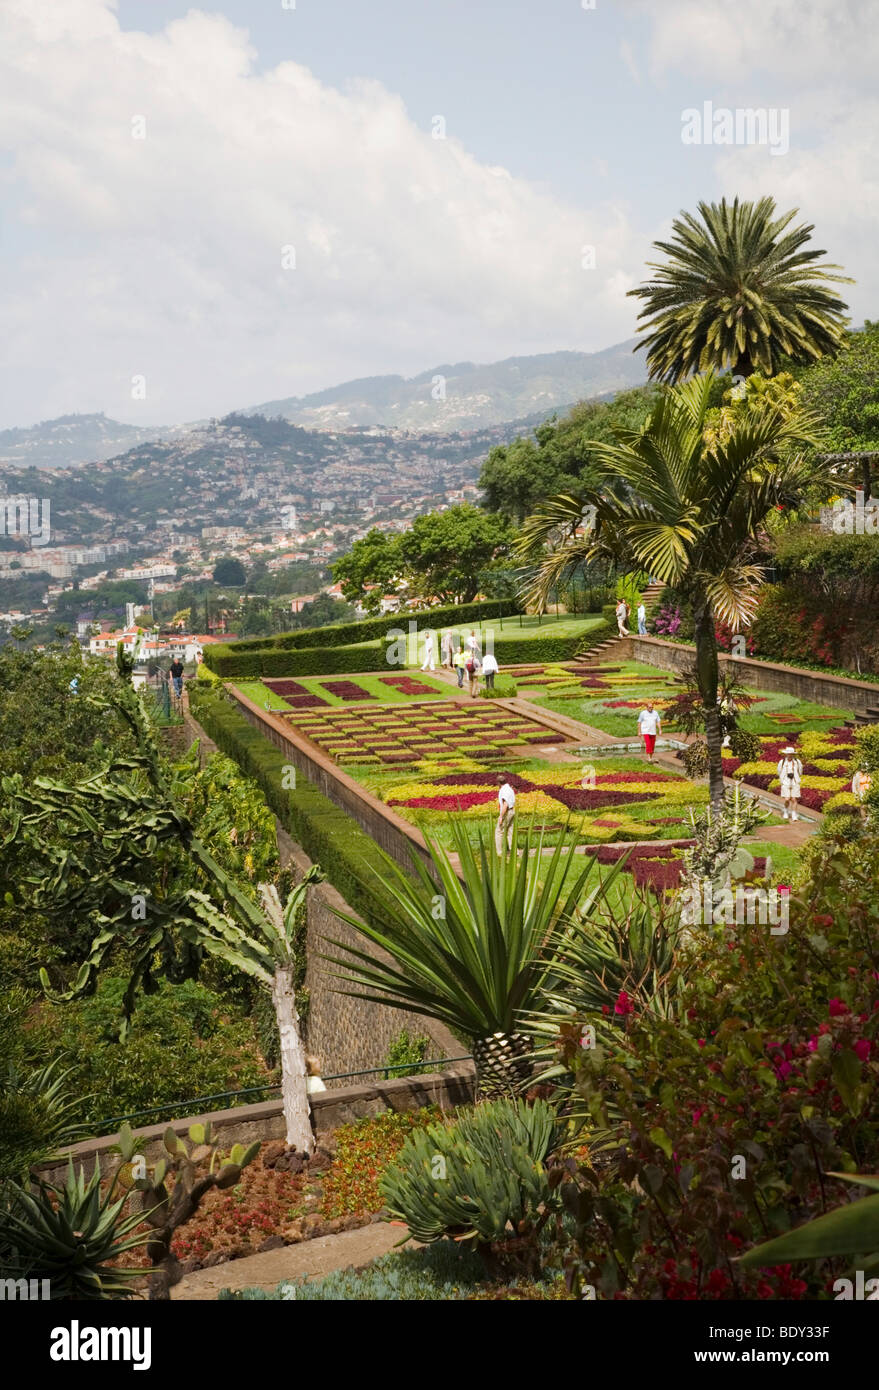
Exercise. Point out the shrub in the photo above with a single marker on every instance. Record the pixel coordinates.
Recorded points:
(364, 1148)
(405, 1052)
(769, 1055)
(481, 1179)
(350, 858)
(505, 688)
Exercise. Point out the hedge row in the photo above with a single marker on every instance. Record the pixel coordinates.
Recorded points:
(231, 664)
(368, 629)
(348, 856)
(516, 651)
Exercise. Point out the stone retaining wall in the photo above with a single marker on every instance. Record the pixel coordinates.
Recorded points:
(815, 686)
(244, 1124)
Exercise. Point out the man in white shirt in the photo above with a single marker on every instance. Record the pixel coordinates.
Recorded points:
(642, 619)
(489, 669)
(506, 801)
(429, 662)
(649, 725)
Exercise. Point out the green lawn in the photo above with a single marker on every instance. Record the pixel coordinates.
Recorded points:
(316, 685)
(522, 626)
(772, 713)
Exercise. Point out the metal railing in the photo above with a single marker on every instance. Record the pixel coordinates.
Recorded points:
(414, 1067)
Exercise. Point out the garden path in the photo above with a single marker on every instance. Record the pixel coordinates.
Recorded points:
(308, 1258)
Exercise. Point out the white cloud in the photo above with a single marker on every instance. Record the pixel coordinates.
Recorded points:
(162, 255)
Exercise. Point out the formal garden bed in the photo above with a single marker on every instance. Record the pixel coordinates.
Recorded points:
(311, 692)
(827, 758)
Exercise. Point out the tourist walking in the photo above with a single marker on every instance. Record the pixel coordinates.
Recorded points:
(649, 725)
(448, 648)
(473, 673)
(459, 662)
(506, 813)
(429, 663)
(489, 669)
(790, 771)
(642, 619)
(176, 672)
(622, 612)
(473, 644)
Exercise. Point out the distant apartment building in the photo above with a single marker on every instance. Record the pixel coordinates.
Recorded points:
(153, 571)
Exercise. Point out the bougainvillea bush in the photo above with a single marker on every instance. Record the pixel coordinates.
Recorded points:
(726, 1116)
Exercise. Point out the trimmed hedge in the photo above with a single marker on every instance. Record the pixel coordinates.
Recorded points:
(235, 663)
(229, 664)
(518, 651)
(348, 856)
(369, 629)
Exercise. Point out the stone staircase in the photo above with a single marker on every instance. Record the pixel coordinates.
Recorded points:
(604, 651)
(869, 716)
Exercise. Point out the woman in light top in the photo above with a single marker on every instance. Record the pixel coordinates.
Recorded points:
(790, 771)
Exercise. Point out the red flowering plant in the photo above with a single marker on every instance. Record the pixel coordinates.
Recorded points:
(717, 1115)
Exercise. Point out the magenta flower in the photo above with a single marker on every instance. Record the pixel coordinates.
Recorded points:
(836, 1008)
(862, 1049)
(623, 1004)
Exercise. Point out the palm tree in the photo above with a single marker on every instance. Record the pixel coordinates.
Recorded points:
(470, 951)
(696, 498)
(738, 292)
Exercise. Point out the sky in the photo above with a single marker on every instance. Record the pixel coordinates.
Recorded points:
(204, 208)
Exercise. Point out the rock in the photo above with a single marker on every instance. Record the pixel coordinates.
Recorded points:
(320, 1161)
(291, 1162)
(376, 1217)
(189, 1266)
(314, 1225)
(271, 1153)
(293, 1233)
(272, 1243)
(216, 1257)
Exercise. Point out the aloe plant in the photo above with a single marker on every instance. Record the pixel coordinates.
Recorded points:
(479, 1180)
(70, 1235)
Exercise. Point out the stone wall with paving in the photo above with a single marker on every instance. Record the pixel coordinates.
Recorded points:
(837, 691)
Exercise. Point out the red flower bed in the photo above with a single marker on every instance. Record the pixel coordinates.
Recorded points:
(285, 687)
(584, 799)
(608, 779)
(658, 874)
(407, 685)
(346, 690)
(445, 803)
(305, 701)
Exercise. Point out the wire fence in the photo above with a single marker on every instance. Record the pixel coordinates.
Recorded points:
(265, 1090)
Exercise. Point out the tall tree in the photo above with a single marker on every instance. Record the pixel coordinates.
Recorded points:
(738, 291)
(699, 489)
(105, 828)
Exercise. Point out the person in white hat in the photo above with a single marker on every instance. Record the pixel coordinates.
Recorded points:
(790, 770)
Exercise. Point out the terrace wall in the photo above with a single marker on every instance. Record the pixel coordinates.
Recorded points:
(814, 686)
(244, 1124)
(345, 1032)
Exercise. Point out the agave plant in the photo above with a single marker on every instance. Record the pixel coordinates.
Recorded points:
(468, 947)
(479, 1180)
(70, 1236)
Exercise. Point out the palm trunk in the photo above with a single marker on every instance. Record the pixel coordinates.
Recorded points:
(707, 676)
(294, 1091)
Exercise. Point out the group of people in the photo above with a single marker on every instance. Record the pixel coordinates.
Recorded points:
(623, 612)
(464, 657)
